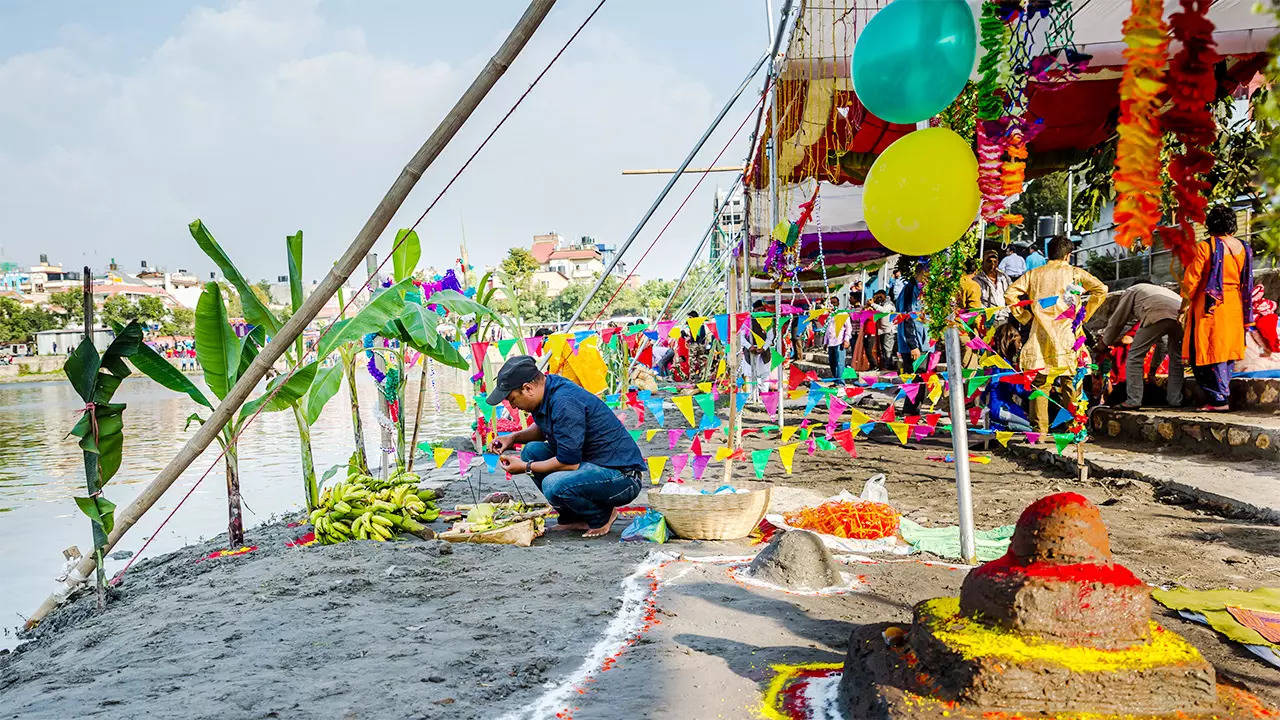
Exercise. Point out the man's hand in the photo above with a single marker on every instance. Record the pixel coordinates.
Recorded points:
(915, 355)
(502, 443)
(513, 464)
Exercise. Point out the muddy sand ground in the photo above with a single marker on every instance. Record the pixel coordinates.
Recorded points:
(585, 629)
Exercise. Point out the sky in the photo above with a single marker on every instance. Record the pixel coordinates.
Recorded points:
(122, 122)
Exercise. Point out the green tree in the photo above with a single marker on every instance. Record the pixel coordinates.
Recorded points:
(516, 272)
(19, 323)
(1044, 196)
(69, 305)
(180, 321)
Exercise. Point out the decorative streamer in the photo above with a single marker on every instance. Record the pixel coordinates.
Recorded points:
(1137, 173)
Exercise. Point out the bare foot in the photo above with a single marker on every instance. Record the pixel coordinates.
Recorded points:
(603, 529)
(569, 526)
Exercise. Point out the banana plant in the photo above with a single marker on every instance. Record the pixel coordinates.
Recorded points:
(224, 358)
(400, 313)
(306, 409)
(101, 427)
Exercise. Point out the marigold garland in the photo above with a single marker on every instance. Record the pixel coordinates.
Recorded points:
(990, 109)
(1137, 173)
(1192, 87)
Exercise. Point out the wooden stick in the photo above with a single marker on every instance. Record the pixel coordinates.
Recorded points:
(364, 241)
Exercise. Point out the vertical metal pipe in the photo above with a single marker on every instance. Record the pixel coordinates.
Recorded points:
(960, 446)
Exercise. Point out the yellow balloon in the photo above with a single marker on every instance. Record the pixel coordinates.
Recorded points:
(921, 194)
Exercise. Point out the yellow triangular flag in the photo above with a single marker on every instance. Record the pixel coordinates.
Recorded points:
(705, 386)
(796, 394)
(907, 378)
(859, 417)
(441, 454)
(995, 360)
(781, 231)
(935, 390)
(656, 464)
(462, 401)
(1003, 436)
(788, 431)
(674, 332)
(786, 454)
(695, 325)
(719, 373)
(759, 340)
(815, 314)
(684, 403)
(766, 322)
(555, 343)
(899, 429)
(648, 434)
(841, 319)
(722, 453)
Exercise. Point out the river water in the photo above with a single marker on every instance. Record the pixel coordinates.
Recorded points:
(41, 471)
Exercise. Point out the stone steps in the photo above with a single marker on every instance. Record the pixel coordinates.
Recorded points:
(1229, 434)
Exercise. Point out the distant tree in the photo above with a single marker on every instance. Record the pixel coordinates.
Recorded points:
(516, 272)
(151, 310)
(180, 321)
(69, 305)
(20, 323)
(1043, 196)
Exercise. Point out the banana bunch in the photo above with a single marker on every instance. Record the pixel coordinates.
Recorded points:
(362, 508)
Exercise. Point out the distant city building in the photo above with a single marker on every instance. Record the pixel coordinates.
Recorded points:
(561, 265)
(732, 216)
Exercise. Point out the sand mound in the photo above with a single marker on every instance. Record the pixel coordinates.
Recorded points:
(796, 559)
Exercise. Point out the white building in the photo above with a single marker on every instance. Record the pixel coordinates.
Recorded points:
(61, 342)
(732, 217)
(561, 264)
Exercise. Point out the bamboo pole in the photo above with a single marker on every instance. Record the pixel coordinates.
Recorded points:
(360, 246)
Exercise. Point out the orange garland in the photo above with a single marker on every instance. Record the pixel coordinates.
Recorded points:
(857, 520)
(1137, 173)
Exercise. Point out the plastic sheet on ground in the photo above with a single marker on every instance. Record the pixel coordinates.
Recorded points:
(945, 541)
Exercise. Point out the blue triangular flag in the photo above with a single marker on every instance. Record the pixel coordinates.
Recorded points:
(654, 405)
(1063, 417)
(491, 461)
(722, 327)
(1048, 302)
(742, 401)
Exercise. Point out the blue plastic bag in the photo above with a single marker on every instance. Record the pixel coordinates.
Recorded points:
(650, 526)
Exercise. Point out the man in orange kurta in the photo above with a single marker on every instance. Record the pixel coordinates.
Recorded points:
(1216, 286)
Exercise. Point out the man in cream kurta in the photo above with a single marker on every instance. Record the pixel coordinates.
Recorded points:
(1051, 344)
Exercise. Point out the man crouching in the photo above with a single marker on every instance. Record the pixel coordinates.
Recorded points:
(580, 456)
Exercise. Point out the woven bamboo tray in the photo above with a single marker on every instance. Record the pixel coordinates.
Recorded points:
(713, 517)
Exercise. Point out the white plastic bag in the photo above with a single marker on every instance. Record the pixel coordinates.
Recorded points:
(874, 489)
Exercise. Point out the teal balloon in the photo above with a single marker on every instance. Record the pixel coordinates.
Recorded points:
(913, 58)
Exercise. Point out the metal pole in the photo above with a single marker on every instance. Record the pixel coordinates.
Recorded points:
(1071, 194)
(666, 189)
(960, 446)
(732, 362)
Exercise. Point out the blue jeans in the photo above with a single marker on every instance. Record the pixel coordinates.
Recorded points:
(835, 358)
(588, 494)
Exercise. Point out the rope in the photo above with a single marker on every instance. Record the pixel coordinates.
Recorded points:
(701, 177)
(366, 284)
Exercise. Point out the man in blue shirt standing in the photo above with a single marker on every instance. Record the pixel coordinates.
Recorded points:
(579, 454)
(1035, 258)
(912, 335)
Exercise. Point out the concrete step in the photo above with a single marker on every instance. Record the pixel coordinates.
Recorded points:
(1230, 434)
(1247, 489)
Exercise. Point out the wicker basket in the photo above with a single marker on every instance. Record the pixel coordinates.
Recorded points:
(713, 517)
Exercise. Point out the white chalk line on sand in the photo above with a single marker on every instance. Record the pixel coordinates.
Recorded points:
(849, 583)
(630, 617)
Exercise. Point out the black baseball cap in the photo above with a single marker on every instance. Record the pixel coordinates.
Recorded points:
(515, 372)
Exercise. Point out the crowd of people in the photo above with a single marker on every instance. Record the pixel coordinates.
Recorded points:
(1216, 320)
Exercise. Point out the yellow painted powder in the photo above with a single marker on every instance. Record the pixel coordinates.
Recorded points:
(974, 641)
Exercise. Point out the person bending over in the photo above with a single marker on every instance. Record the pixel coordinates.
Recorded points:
(577, 451)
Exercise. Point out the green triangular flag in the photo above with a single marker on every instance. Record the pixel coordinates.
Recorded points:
(805, 433)
(1038, 393)
(1062, 440)
(775, 359)
(759, 459)
(424, 446)
(975, 382)
(613, 342)
(708, 405)
(635, 434)
(824, 444)
(504, 346)
(485, 408)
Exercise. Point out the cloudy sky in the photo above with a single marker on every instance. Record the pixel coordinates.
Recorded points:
(121, 122)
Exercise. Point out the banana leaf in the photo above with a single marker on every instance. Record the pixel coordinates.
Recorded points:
(293, 244)
(323, 388)
(456, 302)
(254, 311)
(384, 308)
(150, 363)
(405, 255)
(217, 347)
(101, 512)
(250, 346)
(292, 388)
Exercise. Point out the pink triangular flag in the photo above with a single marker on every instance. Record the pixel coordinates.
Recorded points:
(464, 461)
(534, 345)
(835, 409)
(912, 390)
(673, 436)
(678, 463)
(770, 402)
(700, 465)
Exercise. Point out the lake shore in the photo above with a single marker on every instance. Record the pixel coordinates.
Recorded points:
(590, 629)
